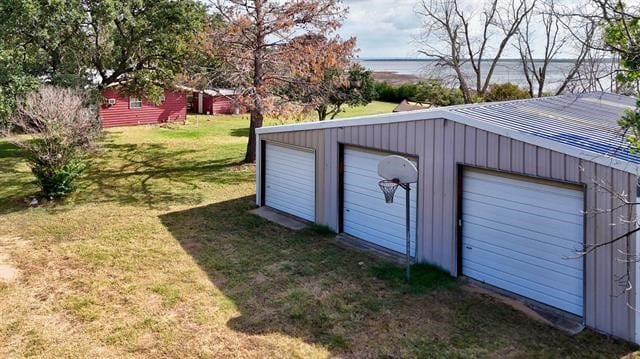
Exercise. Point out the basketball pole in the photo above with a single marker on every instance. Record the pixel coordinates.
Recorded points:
(407, 188)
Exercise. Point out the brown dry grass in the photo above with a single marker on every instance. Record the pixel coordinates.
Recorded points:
(158, 257)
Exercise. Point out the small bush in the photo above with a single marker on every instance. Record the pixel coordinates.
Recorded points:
(505, 92)
(57, 182)
(59, 130)
(435, 93)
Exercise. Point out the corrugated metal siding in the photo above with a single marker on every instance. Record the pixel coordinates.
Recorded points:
(440, 145)
(213, 105)
(221, 105)
(174, 108)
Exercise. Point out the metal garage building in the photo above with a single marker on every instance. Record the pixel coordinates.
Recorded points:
(501, 194)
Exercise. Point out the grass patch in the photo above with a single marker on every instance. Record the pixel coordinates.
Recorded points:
(83, 307)
(321, 230)
(424, 277)
(170, 295)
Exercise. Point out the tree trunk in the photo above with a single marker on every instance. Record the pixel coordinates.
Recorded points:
(464, 87)
(322, 112)
(541, 87)
(259, 93)
(255, 122)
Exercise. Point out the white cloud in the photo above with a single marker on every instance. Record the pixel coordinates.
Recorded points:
(387, 28)
(383, 28)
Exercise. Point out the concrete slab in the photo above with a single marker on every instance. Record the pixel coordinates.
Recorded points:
(280, 218)
(368, 247)
(556, 318)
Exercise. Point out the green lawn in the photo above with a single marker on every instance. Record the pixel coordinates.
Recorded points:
(374, 108)
(158, 257)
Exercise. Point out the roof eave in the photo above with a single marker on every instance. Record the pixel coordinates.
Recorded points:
(430, 114)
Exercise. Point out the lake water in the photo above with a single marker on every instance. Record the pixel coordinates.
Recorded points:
(505, 71)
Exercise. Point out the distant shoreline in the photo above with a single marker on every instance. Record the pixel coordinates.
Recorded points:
(484, 60)
(395, 78)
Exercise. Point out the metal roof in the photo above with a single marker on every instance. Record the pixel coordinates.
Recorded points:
(581, 125)
(587, 121)
(221, 92)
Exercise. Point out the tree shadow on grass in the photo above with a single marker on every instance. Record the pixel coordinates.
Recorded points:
(16, 181)
(153, 175)
(240, 132)
(156, 176)
(303, 285)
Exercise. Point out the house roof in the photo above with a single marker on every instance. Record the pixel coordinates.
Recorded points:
(411, 106)
(582, 125)
(220, 92)
(174, 87)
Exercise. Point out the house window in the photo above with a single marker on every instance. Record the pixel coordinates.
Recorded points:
(135, 102)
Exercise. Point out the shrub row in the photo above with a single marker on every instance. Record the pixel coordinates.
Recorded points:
(435, 93)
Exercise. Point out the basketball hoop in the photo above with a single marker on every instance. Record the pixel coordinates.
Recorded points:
(388, 188)
(398, 171)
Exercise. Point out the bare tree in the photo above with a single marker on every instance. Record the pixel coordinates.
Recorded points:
(452, 38)
(254, 44)
(597, 65)
(595, 73)
(556, 36)
(583, 34)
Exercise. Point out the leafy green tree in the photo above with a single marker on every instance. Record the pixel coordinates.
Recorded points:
(356, 90)
(14, 82)
(141, 44)
(622, 35)
(332, 90)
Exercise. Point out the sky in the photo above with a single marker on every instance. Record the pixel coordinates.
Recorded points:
(383, 28)
(388, 28)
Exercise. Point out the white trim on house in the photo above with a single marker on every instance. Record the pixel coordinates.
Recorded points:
(135, 100)
(449, 113)
(259, 169)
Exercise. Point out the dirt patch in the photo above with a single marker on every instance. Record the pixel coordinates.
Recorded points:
(8, 271)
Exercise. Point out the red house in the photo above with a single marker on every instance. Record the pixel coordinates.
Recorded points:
(215, 101)
(123, 110)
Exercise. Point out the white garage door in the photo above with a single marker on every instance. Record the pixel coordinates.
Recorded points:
(290, 181)
(366, 214)
(518, 234)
